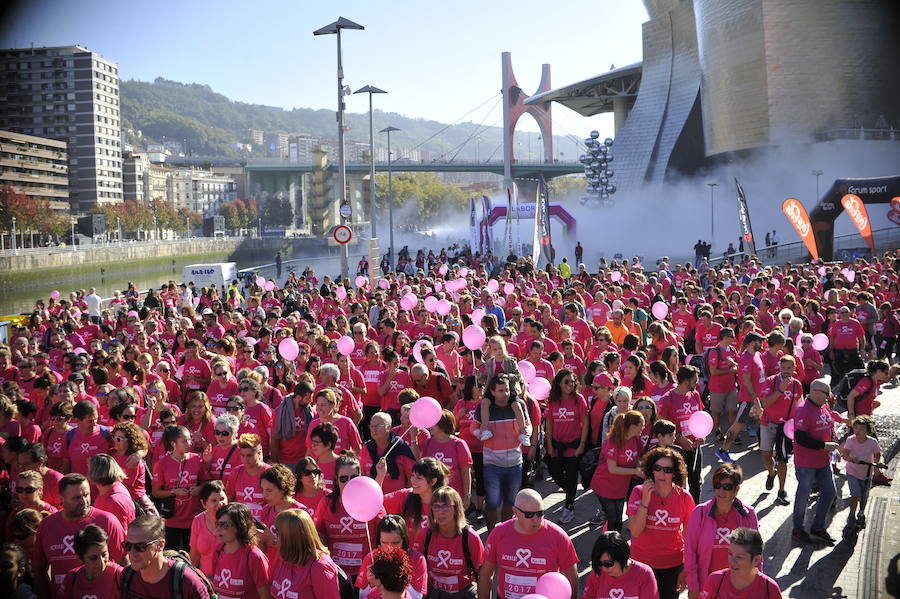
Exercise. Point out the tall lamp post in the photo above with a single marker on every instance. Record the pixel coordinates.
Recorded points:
(118, 228)
(817, 173)
(335, 28)
(371, 89)
(712, 210)
(12, 237)
(390, 193)
(74, 245)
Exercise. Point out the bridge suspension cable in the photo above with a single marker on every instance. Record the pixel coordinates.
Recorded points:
(459, 148)
(444, 128)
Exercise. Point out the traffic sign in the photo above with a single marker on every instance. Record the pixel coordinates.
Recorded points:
(342, 234)
(346, 210)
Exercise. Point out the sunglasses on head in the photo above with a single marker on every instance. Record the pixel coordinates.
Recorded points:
(530, 515)
(139, 547)
(664, 469)
(346, 478)
(724, 486)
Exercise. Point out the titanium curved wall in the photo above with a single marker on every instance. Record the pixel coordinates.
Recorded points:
(776, 71)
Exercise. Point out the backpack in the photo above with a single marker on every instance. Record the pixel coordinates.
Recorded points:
(705, 373)
(467, 555)
(181, 561)
(346, 588)
(70, 434)
(846, 385)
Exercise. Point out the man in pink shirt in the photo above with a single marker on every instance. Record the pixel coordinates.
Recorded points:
(750, 378)
(848, 342)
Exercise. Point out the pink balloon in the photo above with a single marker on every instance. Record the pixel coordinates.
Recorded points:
(362, 497)
(820, 341)
(341, 292)
(527, 370)
(821, 271)
(288, 349)
(508, 288)
(615, 276)
(430, 303)
(500, 301)
(789, 428)
(473, 337)
(476, 315)
(345, 345)
(443, 307)
(850, 275)
(438, 286)
(660, 310)
(425, 412)
(409, 301)
(539, 388)
(554, 585)
(383, 283)
(269, 286)
(260, 281)
(493, 286)
(196, 301)
(54, 294)
(463, 271)
(777, 283)
(443, 270)
(134, 314)
(250, 340)
(417, 349)
(700, 424)
(361, 281)
(461, 284)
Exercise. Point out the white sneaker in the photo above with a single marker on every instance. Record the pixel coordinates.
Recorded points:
(525, 440)
(485, 434)
(566, 516)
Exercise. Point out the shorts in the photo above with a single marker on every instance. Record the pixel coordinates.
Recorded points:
(770, 440)
(859, 487)
(719, 402)
(743, 412)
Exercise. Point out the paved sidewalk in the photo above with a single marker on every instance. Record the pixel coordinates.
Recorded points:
(858, 566)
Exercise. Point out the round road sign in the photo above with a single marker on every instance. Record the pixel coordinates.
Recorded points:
(342, 234)
(346, 210)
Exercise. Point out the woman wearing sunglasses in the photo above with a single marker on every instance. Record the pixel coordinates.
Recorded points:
(613, 571)
(98, 576)
(658, 512)
(453, 551)
(241, 568)
(223, 385)
(310, 486)
(392, 533)
(345, 537)
(223, 457)
(709, 531)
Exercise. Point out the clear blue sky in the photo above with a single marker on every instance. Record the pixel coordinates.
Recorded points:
(436, 60)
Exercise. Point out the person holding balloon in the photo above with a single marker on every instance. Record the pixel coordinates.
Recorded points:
(712, 522)
(385, 444)
(679, 406)
(346, 536)
(567, 424)
(392, 533)
(614, 574)
(780, 395)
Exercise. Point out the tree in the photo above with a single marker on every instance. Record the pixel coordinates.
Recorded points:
(277, 211)
(32, 214)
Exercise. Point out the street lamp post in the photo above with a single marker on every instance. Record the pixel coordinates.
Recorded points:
(155, 230)
(118, 229)
(12, 238)
(817, 173)
(335, 28)
(390, 194)
(712, 210)
(370, 89)
(74, 245)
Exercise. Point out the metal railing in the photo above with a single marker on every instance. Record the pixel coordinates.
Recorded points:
(63, 249)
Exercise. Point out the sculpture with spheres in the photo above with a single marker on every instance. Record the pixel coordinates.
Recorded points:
(596, 169)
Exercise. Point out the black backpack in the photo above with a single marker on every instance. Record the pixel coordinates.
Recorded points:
(182, 561)
(346, 587)
(846, 385)
(467, 555)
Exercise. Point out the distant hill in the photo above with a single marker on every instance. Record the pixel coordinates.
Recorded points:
(210, 122)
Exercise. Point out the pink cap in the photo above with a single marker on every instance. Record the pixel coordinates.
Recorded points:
(604, 380)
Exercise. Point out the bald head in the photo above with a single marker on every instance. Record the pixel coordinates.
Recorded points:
(820, 385)
(529, 500)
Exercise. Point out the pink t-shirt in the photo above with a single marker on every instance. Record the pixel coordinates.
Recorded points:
(615, 486)
(718, 586)
(239, 575)
(77, 585)
(637, 583)
(522, 559)
(244, 487)
(750, 364)
(447, 566)
(83, 447)
(317, 579)
(117, 502)
(722, 383)
(206, 542)
(455, 455)
(181, 475)
(819, 423)
(219, 454)
(661, 544)
(267, 519)
(678, 408)
(344, 536)
(219, 393)
(348, 434)
(865, 451)
(568, 416)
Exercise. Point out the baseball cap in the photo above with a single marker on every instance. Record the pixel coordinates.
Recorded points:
(603, 380)
(752, 336)
(207, 312)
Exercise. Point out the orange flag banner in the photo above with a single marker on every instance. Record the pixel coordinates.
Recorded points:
(796, 213)
(857, 212)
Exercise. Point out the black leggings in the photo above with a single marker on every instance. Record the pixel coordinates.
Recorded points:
(178, 538)
(478, 473)
(667, 581)
(564, 471)
(613, 509)
(694, 462)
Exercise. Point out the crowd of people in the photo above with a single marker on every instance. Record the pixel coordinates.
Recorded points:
(199, 441)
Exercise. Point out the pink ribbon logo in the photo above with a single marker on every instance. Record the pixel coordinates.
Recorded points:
(661, 516)
(439, 456)
(443, 558)
(522, 557)
(68, 544)
(722, 536)
(346, 524)
(85, 448)
(225, 577)
(281, 588)
(185, 478)
(248, 494)
(616, 593)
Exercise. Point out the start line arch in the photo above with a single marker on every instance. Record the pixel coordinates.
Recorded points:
(527, 211)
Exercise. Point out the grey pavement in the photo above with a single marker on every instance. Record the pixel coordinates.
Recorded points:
(860, 566)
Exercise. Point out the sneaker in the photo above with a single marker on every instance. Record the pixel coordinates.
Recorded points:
(485, 434)
(599, 517)
(770, 482)
(752, 432)
(525, 440)
(724, 456)
(860, 520)
(566, 516)
(782, 497)
(822, 535)
(801, 536)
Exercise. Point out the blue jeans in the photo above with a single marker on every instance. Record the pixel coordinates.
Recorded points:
(825, 480)
(501, 484)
